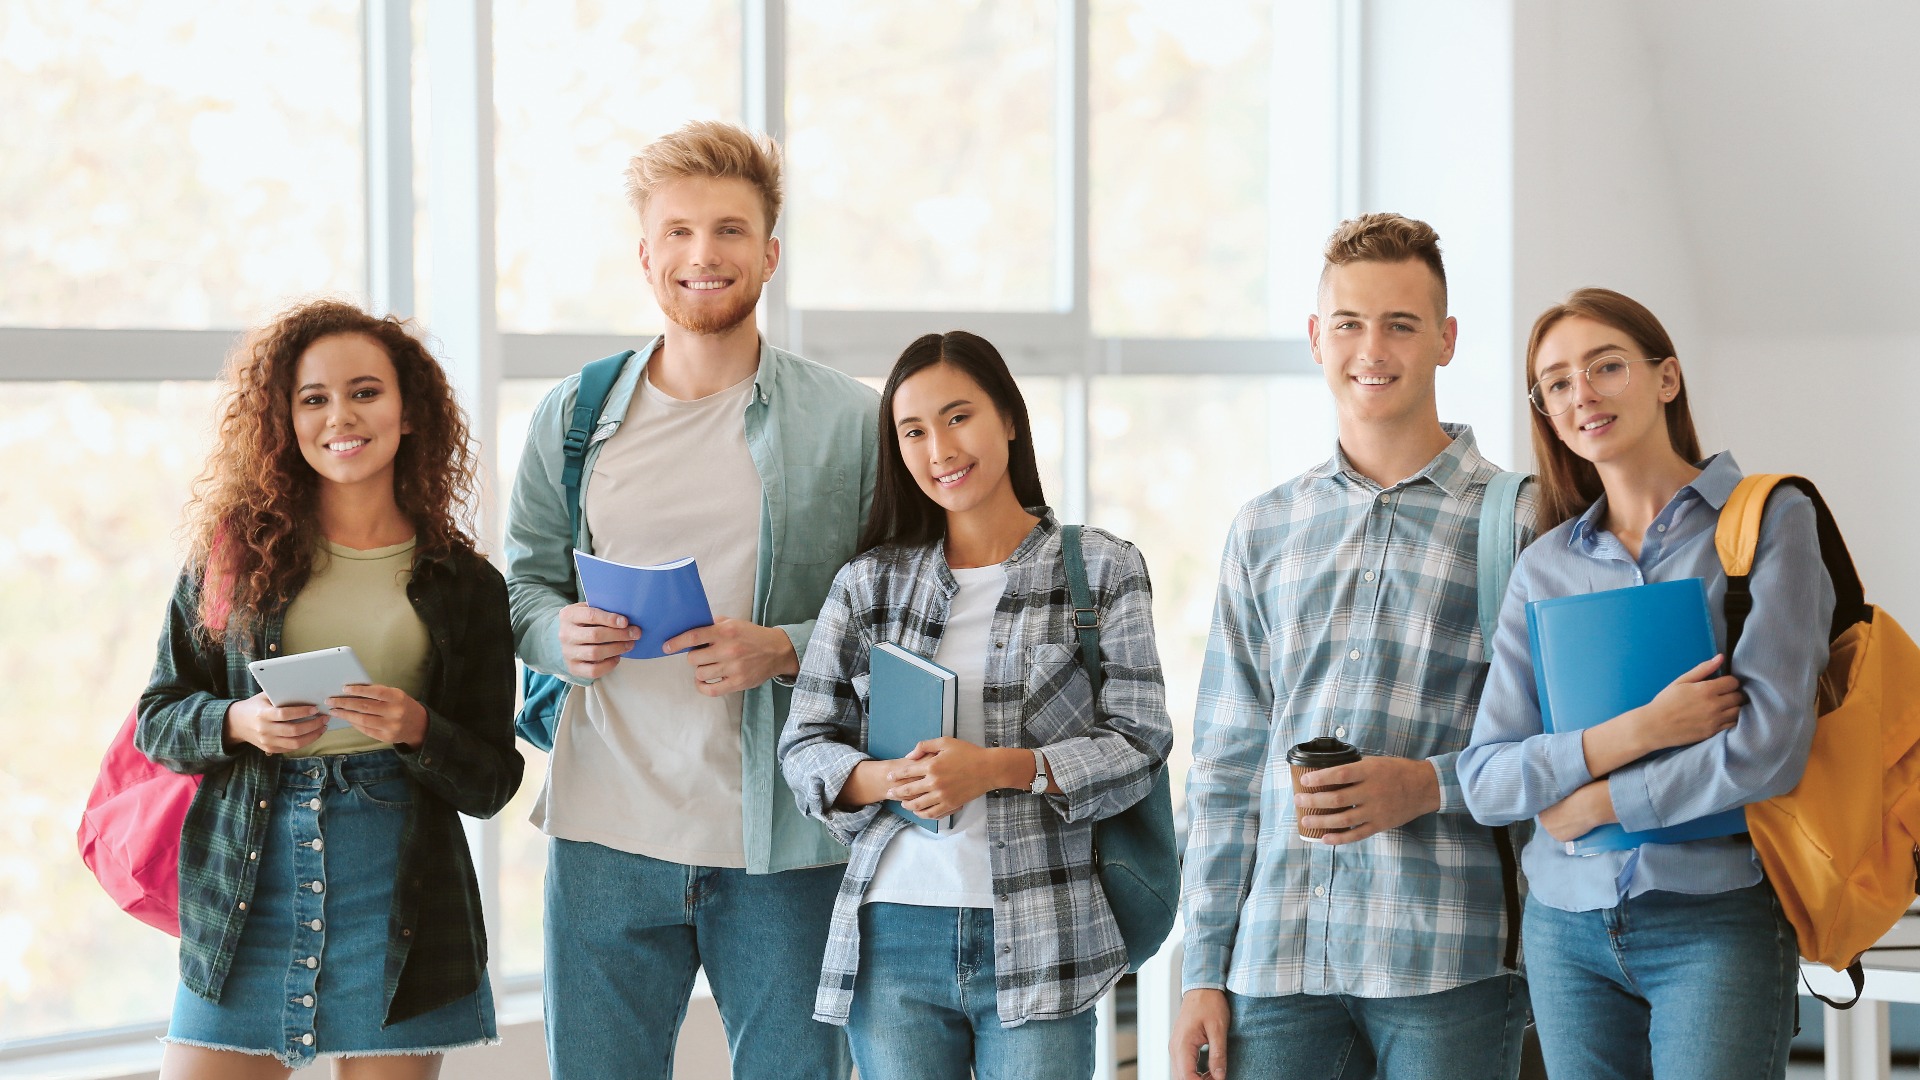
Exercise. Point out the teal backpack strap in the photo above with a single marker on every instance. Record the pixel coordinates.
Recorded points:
(1498, 547)
(596, 384)
(542, 696)
(1086, 617)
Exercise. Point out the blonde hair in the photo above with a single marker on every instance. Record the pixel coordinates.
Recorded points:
(1386, 238)
(707, 148)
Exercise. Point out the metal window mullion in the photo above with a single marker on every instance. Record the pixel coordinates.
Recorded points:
(1350, 46)
(387, 135)
(1073, 279)
(461, 210)
(763, 104)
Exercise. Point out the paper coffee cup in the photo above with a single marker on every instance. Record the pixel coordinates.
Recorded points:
(1322, 753)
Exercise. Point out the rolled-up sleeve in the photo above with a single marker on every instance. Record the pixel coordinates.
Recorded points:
(1110, 768)
(819, 746)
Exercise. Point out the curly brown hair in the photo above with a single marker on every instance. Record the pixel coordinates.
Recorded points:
(253, 522)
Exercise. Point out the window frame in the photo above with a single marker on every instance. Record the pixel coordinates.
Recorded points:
(461, 208)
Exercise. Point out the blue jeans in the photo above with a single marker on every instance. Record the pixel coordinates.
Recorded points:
(1470, 1032)
(924, 1005)
(625, 935)
(1665, 985)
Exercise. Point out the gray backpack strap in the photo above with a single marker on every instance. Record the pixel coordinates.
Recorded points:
(1499, 545)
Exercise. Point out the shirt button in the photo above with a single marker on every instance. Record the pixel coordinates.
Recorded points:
(999, 644)
(1385, 499)
(1354, 655)
(407, 932)
(307, 1039)
(315, 924)
(1003, 896)
(314, 804)
(1659, 528)
(317, 844)
(243, 905)
(1319, 890)
(273, 647)
(1369, 575)
(426, 761)
(253, 856)
(999, 843)
(1004, 949)
(311, 962)
(307, 1001)
(1340, 732)
(317, 886)
(263, 804)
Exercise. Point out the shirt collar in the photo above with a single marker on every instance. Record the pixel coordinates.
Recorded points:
(1035, 538)
(1719, 475)
(764, 376)
(1450, 470)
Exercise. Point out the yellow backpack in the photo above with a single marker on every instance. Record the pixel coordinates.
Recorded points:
(1842, 849)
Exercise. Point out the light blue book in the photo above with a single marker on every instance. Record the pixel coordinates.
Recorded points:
(909, 699)
(1601, 654)
(664, 600)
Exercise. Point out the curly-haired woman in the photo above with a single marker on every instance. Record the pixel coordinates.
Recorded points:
(328, 904)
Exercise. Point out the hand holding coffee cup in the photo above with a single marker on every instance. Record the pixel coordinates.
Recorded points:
(1311, 756)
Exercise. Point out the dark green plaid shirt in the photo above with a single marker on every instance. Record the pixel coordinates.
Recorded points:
(437, 947)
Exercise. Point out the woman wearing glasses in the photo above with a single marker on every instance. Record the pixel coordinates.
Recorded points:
(1667, 960)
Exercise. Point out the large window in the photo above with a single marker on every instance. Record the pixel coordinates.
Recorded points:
(177, 165)
(88, 558)
(1125, 196)
(921, 136)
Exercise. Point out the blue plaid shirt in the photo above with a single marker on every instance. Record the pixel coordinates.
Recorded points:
(1348, 609)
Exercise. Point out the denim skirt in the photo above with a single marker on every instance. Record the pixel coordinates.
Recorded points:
(309, 972)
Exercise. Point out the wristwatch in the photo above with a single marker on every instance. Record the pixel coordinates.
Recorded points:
(1039, 786)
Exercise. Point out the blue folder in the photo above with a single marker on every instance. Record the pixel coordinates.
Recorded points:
(1601, 654)
(664, 601)
(909, 699)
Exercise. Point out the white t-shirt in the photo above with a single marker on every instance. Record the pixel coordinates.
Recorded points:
(951, 869)
(642, 762)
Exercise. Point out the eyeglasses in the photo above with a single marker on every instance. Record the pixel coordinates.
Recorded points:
(1608, 375)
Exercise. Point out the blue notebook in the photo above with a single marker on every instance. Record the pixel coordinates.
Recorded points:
(909, 699)
(1601, 654)
(664, 601)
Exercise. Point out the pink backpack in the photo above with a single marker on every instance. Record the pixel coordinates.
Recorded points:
(130, 833)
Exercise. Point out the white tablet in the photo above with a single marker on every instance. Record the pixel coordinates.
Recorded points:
(310, 678)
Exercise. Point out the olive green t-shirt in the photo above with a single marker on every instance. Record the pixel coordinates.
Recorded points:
(359, 598)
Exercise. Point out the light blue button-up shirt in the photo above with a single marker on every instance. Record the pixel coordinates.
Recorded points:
(1347, 609)
(1512, 770)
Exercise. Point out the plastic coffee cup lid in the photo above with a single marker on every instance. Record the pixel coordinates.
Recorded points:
(1323, 753)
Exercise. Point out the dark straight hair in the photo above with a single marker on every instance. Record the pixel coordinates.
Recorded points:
(1569, 483)
(904, 515)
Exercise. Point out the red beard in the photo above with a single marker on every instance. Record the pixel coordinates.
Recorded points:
(705, 318)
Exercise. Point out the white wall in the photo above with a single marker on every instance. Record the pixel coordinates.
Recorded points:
(1734, 166)
(1437, 144)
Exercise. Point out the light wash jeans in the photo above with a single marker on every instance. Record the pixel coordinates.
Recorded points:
(1665, 985)
(924, 1009)
(1470, 1032)
(625, 935)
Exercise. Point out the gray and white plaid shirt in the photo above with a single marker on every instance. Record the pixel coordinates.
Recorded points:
(1059, 949)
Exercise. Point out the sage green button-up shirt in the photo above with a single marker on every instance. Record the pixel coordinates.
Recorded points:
(812, 432)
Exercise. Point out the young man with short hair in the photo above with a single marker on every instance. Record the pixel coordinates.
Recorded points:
(1347, 608)
(675, 845)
